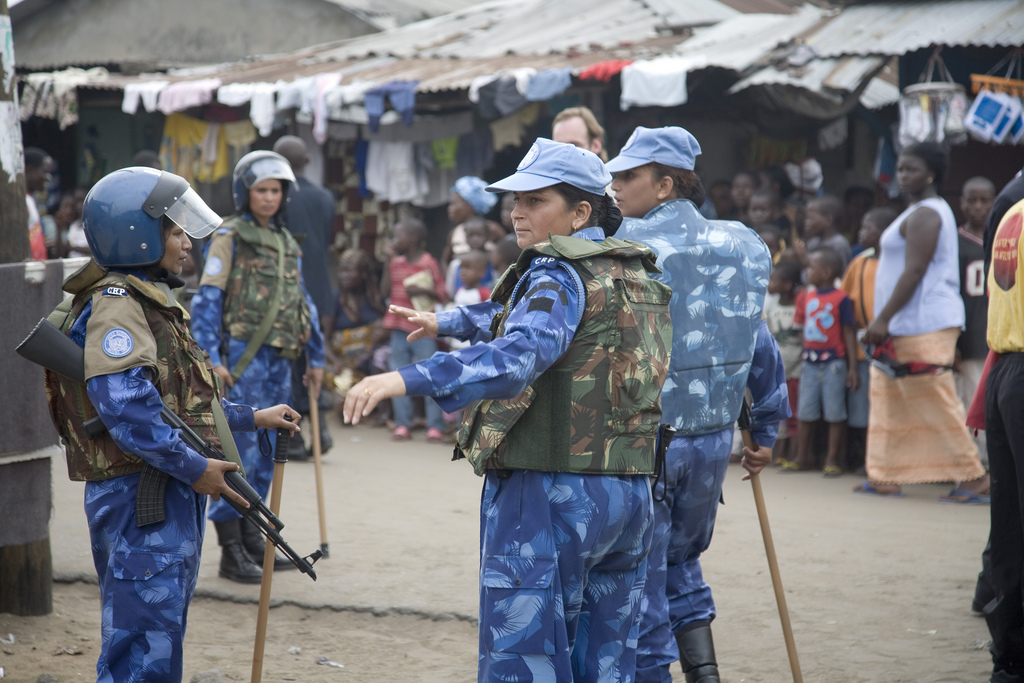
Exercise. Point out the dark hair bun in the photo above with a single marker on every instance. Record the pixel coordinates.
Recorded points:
(613, 217)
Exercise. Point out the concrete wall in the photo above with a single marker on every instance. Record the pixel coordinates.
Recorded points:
(183, 31)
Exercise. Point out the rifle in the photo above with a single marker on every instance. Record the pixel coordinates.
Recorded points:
(50, 348)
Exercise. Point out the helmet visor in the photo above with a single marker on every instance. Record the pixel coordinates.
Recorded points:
(191, 214)
(268, 167)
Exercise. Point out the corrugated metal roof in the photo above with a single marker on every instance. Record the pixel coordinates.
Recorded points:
(829, 78)
(879, 93)
(534, 27)
(895, 28)
(434, 74)
(744, 40)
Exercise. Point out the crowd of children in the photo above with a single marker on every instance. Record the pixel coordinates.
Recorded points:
(821, 294)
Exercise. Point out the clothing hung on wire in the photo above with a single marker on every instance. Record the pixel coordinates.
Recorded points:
(401, 95)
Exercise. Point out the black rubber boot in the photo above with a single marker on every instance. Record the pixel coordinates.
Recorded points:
(697, 653)
(255, 544)
(296, 451)
(235, 564)
(326, 442)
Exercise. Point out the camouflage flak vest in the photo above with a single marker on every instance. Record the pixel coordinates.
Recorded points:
(597, 409)
(184, 378)
(251, 285)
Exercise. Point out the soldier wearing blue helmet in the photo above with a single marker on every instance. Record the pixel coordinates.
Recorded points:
(254, 316)
(718, 271)
(564, 383)
(139, 356)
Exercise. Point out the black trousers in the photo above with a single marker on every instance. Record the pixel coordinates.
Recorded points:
(1004, 429)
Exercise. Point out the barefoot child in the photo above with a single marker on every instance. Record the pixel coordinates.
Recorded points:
(826, 316)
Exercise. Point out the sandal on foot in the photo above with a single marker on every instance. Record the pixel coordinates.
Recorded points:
(961, 497)
(401, 434)
(790, 466)
(434, 435)
(866, 487)
(833, 471)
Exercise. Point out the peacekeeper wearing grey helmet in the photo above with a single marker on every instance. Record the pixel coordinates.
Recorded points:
(254, 316)
(139, 357)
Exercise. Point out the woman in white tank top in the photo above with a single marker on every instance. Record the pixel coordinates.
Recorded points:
(916, 425)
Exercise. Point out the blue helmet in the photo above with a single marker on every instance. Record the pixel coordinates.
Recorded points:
(258, 166)
(123, 215)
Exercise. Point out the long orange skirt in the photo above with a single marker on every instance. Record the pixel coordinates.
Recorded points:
(916, 428)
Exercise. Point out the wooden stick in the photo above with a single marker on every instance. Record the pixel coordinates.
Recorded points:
(773, 565)
(268, 576)
(314, 416)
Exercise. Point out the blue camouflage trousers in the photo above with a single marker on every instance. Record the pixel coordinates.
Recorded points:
(675, 594)
(147, 577)
(265, 383)
(562, 570)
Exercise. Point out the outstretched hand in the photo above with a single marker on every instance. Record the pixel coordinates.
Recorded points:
(425, 319)
(362, 398)
(273, 418)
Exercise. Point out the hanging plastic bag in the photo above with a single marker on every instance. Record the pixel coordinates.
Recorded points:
(1010, 114)
(985, 114)
(933, 111)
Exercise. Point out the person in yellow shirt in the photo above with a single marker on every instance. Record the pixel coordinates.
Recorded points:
(1004, 427)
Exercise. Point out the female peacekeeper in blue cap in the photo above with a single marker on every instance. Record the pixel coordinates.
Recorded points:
(723, 268)
(563, 381)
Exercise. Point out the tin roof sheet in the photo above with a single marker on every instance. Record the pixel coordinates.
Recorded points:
(746, 39)
(895, 28)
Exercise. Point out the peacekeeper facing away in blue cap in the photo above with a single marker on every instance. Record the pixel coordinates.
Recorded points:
(718, 271)
(563, 385)
(139, 357)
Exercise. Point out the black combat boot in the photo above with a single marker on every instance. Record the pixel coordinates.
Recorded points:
(297, 451)
(326, 442)
(235, 564)
(697, 653)
(255, 544)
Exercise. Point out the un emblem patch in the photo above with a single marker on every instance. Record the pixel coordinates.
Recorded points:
(117, 343)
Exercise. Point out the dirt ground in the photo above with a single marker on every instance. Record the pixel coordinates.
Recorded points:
(878, 589)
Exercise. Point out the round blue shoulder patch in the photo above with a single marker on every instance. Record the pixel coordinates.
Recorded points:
(213, 266)
(117, 343)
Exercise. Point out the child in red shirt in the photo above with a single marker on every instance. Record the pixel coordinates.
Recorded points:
(825, 315)
(412, 279)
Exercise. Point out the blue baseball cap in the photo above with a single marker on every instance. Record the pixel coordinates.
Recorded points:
(672, 146)
(549, 163)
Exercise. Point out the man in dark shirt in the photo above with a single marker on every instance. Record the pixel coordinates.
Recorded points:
(1011, 193)
(309, 215)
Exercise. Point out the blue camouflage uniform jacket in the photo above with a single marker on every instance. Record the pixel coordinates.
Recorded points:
(718, 272)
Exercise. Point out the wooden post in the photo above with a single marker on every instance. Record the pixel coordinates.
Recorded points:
(13, 211)
(26, 573)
